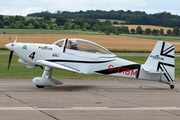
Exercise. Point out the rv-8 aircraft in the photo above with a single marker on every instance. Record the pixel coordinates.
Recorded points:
(82, 56)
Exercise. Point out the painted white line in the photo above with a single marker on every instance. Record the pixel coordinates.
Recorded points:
(17, 108)
(89, 108)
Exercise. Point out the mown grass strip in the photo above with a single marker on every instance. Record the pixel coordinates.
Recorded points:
(153, 37)
(45, 31)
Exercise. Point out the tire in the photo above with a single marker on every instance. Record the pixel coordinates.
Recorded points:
(172, 86)
(40, 86)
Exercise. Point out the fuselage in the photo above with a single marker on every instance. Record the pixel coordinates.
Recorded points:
(88, 58)
(82, 56)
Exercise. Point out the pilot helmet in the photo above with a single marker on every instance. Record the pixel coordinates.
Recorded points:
(73, 42)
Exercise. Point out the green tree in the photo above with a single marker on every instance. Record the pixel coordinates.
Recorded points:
(133, 30)
(162, 31)
(13, 25)
(36, 25)
(60, 20)
(54, 26)
(95, 27)
(20, 26)
(126, 29)
(30, 26)
(103, 28)
(169, 32)
(7, 23)
(120, 29)
(139, 30)
(155, 32)
(176, 31)
(18, 23)
(47, 18)
(78, 21)
(147, 31)
(115, 22)
(108, 22)
(86, 26)
(1, 18)
(67, 26)
(31, 21)
(72, 26)
(43, 26)
(111, 29)
(1, 24)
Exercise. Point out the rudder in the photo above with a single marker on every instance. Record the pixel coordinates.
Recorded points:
(161, 60)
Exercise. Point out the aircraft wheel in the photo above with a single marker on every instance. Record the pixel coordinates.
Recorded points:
(172, 86)
(40, 86)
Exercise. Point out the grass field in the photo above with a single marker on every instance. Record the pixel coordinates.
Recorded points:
(18, 70)
(163, 38)
(111, 42)
(45, 31)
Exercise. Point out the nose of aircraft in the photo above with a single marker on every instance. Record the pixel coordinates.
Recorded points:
(10, 46)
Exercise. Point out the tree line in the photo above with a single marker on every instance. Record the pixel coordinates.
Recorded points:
(84, 24)
(165, 19)
(148, 31)
(19, 22)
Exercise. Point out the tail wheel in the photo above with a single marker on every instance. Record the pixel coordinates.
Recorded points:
(172, 86)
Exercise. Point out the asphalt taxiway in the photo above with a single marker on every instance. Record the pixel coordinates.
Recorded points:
(89, 99)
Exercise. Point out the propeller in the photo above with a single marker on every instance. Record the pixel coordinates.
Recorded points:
(10, 57)
(11, 48)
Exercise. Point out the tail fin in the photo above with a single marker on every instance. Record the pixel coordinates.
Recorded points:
(161, 60)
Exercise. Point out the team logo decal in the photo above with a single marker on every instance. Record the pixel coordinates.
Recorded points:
(24, 47)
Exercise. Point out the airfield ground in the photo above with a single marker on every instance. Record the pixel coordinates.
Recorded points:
(89, 99)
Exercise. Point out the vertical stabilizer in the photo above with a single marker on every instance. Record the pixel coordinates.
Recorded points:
(161, 60)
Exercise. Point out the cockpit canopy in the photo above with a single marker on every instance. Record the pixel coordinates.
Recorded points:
(82, 45)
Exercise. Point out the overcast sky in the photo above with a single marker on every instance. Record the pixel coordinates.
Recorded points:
(24, 7)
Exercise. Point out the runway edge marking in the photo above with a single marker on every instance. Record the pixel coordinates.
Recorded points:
(89, 108)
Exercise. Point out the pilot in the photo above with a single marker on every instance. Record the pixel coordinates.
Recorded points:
(73, 44)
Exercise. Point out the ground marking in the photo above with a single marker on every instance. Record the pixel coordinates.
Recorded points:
(89, 108)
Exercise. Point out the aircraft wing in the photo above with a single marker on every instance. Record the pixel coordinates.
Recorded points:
(55, 65)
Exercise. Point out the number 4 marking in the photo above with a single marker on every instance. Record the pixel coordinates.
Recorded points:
(32, 55)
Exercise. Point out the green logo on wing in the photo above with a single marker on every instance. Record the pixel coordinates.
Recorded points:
(24, 47)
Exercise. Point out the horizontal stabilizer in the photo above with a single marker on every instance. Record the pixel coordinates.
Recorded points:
(152, 71)
(55, 65)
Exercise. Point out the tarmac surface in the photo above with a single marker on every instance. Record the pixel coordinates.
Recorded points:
(89, 99)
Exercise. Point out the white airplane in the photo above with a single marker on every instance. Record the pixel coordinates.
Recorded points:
(82, 56)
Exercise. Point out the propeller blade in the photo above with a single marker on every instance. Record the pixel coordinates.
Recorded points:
(10, 57)
(16, 39)
(10, 39)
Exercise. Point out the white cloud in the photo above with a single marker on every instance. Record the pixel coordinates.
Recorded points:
(24, 7)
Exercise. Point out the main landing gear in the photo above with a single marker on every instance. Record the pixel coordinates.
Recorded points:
(46, 79)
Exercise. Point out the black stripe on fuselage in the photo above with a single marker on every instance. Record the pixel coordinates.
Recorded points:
(117, 70)
(77, 61)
